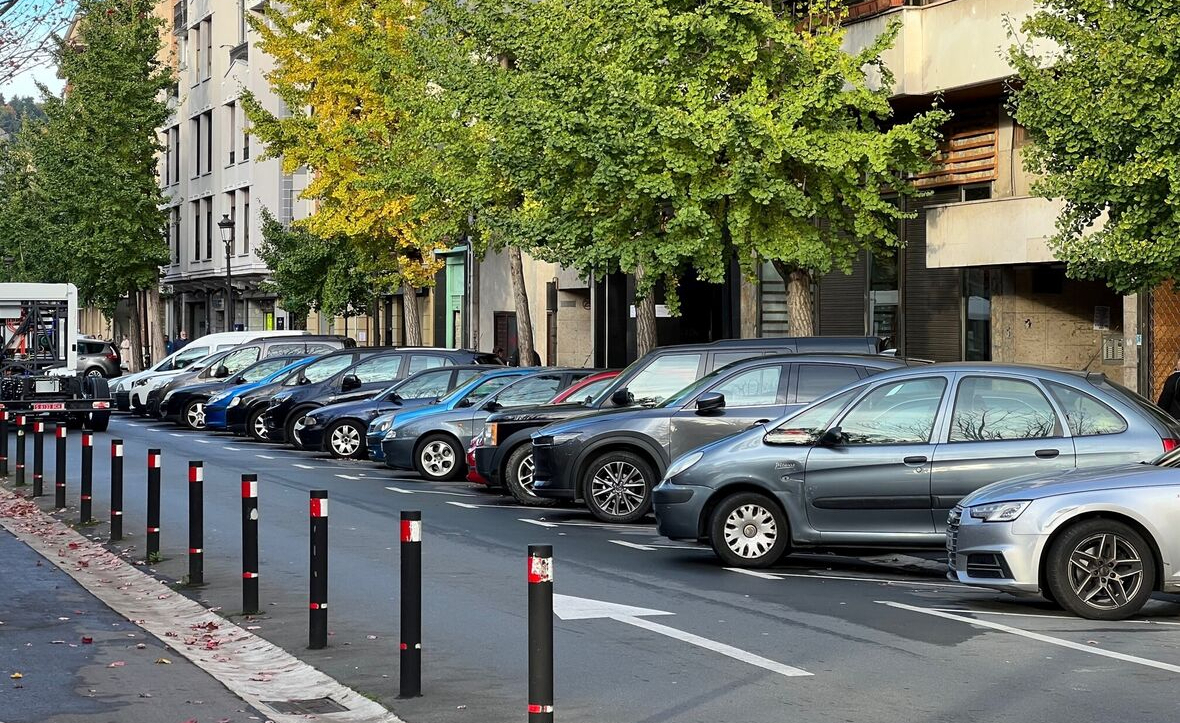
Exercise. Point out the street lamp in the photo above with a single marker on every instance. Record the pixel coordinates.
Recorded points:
(226, 224)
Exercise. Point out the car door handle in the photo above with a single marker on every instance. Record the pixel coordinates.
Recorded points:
(915, 460)
(1048, 453)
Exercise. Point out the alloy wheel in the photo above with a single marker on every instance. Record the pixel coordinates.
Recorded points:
(1105, 571)
(194, 415)
(524, 473)
(438, 458)
(618, 488)
(260, 427)
(346, 440)
(750, 531)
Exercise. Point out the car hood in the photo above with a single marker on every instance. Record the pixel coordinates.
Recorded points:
(402, 415)
(541, 413)
(409, 415)
(367, 408)
(199, 387)
(1071, 481)
(610, 419)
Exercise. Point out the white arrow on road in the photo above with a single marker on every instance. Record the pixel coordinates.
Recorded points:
(567, 607)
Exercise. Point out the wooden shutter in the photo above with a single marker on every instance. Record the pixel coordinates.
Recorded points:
(932, 298)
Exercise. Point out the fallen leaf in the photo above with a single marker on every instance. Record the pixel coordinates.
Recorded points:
(140, 646)
(145, 695)
(117, 664)
(16, 676)
(87, 640)
(371, 637)
(163, 661)
(57, 642)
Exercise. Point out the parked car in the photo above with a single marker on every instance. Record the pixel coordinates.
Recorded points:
(439, 456)
(98, 358)
(183, 403)
(485, 463)
(1097, 541)
(363, 380)
(645, 383)
(433, 440)
(612, 460)
(883, 462)
(218, 406)
(145, 393)
(339, 429)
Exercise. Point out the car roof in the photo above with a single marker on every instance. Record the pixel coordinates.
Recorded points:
(770, 343)
(874, 360)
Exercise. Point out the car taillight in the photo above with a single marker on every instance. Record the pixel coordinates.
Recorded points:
(1170, 444)
(111, 357)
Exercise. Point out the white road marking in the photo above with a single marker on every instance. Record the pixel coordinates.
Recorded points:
(203, 441)
(347, 476)
(633, 546)
(263, 456)
(430, 492)
(538, 523)
(1092, 650)
(234, 449)
(576, 608)
(302, 466)
(174, 434)
(885, 581)
(134, 424)
(463, 504)
(1048, 617)
(754, 573)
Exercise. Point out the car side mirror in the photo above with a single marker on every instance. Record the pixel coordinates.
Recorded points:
(240, 379)
(492, 406)
(220, 372)
(350, 382)
(710, 402)
(831, 438)
(465, 402)
(622, 398)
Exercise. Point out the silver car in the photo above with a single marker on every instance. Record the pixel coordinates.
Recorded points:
(1098, 542)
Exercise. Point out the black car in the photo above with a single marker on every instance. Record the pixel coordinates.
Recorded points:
(612, 460)
(362, 380)
(200, 371)
(645, 382)
(339, 429)
(185, 403)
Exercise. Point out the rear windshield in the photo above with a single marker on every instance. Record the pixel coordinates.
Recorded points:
(1136, 400)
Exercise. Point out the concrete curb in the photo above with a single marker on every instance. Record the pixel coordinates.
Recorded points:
(252, 668)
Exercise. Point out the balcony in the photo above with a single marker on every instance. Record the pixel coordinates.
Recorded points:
(998, 231)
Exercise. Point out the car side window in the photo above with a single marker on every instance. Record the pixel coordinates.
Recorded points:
(463, 376)
(321, 370)
(1084, 414)
(188, 356)
(238, 360)
(285, 350)
(434, 384)
(379, 369)
(534, 390)
(808, 426)
(590, 391)
(817, 380)
(723, 358)
(265, 369)
(988, 409)
(320, 348)
(664, 376)
(488, 387)
(898, 413)
(418, 362)
(751, 388)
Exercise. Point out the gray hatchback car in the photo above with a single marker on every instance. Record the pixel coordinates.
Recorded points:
(882, 462)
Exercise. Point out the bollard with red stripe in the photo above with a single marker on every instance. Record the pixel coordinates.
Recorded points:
(3, 443)
(196, 522)
(411, 602)
(38, 458)
(86, 494)
(540, 575)
(153, 504)
(20, 450)
(317, 632)
(59, 468)
(116, 490)
(250, 543)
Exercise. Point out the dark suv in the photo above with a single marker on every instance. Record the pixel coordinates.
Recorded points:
(362, 380)
(645, 382)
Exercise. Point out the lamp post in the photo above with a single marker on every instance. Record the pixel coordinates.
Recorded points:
(226, 224)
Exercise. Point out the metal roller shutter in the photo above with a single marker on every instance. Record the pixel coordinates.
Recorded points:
(841, 301)
(932, 298)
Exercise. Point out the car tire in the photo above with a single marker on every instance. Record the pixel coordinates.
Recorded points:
(345, 440)
(98, 421)
(748, 529)
(256, 426)
(94, 372)
(289, 428)
(518, 477)
(1101, 569)
(97, 388)
(437, 458)
(193, 415)
(617, 487)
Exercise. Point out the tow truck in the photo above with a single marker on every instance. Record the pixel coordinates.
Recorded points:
(39, 358)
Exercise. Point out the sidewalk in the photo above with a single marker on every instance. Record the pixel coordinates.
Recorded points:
(119, 677)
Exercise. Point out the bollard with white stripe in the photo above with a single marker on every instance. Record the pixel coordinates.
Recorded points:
(116, 490)
(59, 469)
(4, 443)
(20, 450)
(540, 576)
(153, 504)
(317, 632)
(411, 603)
(196, 522)
(250, 543)
(38, 458)
(86, 493)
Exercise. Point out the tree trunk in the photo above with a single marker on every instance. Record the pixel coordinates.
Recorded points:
(524, 319)
(410, 316)
(645, 318)
(133, 318)
(155, 324)
(800, 309)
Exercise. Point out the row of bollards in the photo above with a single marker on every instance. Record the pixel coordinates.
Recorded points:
(540, 557)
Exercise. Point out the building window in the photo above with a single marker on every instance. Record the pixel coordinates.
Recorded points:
(165, 165)
(207, 127)
(977, 192)
(242, 28)
(208, 33)
(196, 207)
(209, 228)
(174, 233)
(195, 129)
(883, 296)
(231, 203)
(174, 141)
(198, 46)
(977, 341)
(245, 193)
(245, 139)
(231, 123)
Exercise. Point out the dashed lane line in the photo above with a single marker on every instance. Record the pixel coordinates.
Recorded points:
(302, 466)
(404, 491)
(203, 441)
(851, 578)
(633, 545)
(234, 449)
(1134, 621)
(263, 456)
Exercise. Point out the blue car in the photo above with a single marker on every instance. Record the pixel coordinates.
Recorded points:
(464, 395)
(219, 404)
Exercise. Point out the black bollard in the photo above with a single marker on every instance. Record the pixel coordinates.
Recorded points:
(38, 458)
(540, 634)
(20, 450)
(116, 490)
(196, 522)
(59, 469)
(411, 599)
(318, 623)
(249, 543)
(86, 494)
(4, 443)
(153, 505)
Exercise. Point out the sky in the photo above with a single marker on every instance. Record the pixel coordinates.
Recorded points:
(26, 83)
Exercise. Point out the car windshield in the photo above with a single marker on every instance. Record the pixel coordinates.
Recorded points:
(320, 370)
(463, 391)
(691, 390)
(588, 393)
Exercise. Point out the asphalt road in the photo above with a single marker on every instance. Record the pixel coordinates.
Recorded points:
(818, 638)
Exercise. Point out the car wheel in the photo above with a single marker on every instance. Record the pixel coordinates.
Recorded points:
(289, 428)
(748, 530)
(438, 458)
(618, 487)
(345, 440)
(95, 372)
(518, 477)
(193, 415)
(256, 427)
(1101, 570)
(99, 421)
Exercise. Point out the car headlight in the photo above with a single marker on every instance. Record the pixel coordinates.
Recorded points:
(382, 426)
(683, 463)
(391, 434)
(309, 421)
(167, 396)
(235, 401)
(564, 438)
(276, 399)
(1000, 511)
(491, 434)
(139, 382)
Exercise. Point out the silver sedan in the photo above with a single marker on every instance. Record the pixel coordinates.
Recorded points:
(1098, 541)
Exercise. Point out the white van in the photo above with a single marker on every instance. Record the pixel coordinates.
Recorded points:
(196, 349)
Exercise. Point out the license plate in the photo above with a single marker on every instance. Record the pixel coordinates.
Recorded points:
(48, 406)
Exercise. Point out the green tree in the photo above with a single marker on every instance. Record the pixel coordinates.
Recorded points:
(1099, 94)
